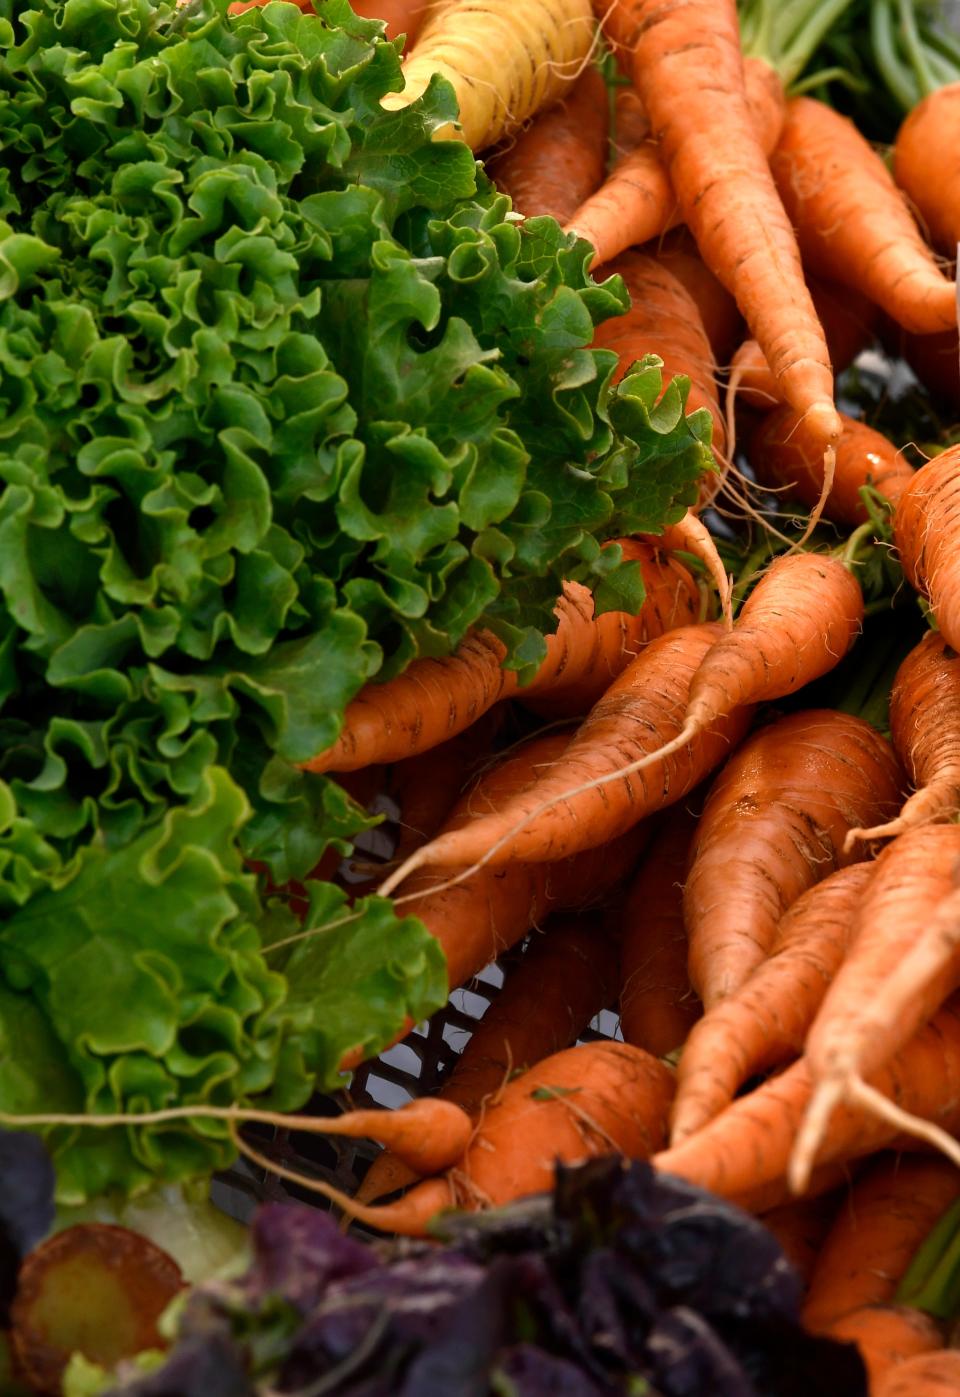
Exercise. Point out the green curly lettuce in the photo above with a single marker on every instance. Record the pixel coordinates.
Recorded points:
(288, 397)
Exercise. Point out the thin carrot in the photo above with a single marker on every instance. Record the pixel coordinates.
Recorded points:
(588, 795)
(637, 201)
(798, 623)
(566, 977)
(593, 1099)
(773, 826)
(690, 535)
(782, 454)
(887, 1336)
(749, 1143)
(851, 220)
(926, 164)
(432, 700)
(925, 728)
(765, 1022)
(657, 1005)
(926, 528)
(559, 160)
(897, 972)
(930, 1374)
(886, 1215)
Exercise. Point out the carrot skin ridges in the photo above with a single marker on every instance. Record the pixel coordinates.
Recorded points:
(852, 222)
(433, 700)
(657, 1005)
(926, 529)
(887, 1214)
(926, 164)
(749, 1143)
(560, 159)
(766, 1020)
(931, 1374)
(887, 1337)
(773, 826)
(782, 454)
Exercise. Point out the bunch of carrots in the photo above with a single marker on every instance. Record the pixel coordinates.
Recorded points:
(769, 890)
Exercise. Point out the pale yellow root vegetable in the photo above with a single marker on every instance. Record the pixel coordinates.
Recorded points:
(506, 59)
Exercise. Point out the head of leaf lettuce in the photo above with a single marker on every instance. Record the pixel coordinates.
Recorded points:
(288, 397)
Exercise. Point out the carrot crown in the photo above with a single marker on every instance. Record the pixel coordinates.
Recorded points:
(787, 33)
(914, 56)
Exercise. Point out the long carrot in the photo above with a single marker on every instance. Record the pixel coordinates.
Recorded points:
(887, 1336)
(593, 1099)
(782, 454)
(560, 158)
(764, 1022)
(588, 795)
(926, 528)
(749, 1143)
(925, 728)
(435, 699)
(637, 201)
(657, 1004)
(875, 1002)
(851, 220)
(773, 826)
(930, 1374)
(926, 164)
(566, 977)
(888, 1212)
(798, 622)
(724, 187)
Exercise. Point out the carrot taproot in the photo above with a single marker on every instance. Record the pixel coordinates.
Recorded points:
(781, 454)
(851, 220)
(801, 1227)
(798, 623)
(560, 159)
(723, 323)
(593, 1099)
(886, 1215)
(850, 321)
(773, 826)
(926, 528)
(765, 1022)
(887, 1336)
(427, 1134)
(690, 535)
(926, 164)
(432, 700)
(567, 975)
(506, 60)
(588, 796)
(724, 187)
(749, 1144)
(901, 966)
(657, 1005)
(637, 201)
(925, 730)
(926, 1374)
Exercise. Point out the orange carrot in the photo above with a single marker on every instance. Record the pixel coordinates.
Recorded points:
(560, 158)
(930, 1374)
(849, 323)
(851, 220)
(723, 184)
(897, 972)
(637, 201)
(926, 164)
(782, 454)
(765, 1022)
(566, 977)
(657, 1005)
(580, 1103)
(718, 310)
(878, 1228)
(663, 319)
(887, 1337)
(432, 700)
(587, 796)
(749, 1143)
(797, 624)
(773, 826)
(925, 727)
(690, 535)
(926, 528)
(801, 1227)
